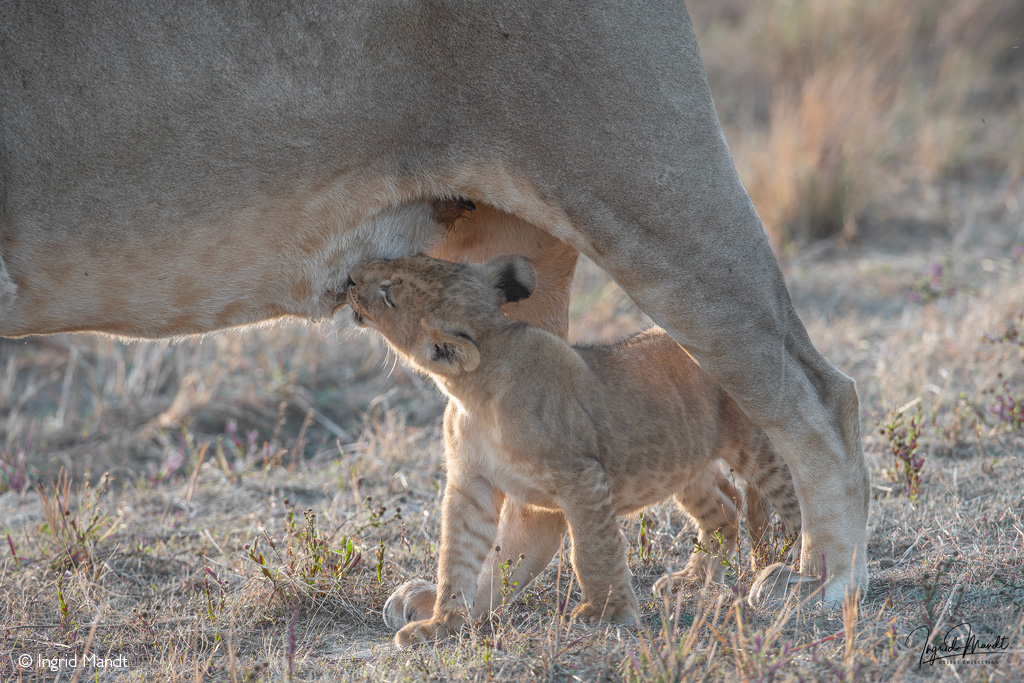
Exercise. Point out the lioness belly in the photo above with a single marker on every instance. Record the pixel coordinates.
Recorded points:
(260, 264)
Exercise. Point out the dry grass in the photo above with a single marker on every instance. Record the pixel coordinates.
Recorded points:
(837, 110)
(213, 444)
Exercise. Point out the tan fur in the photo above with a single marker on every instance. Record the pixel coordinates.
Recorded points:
(484, 233)
(223, 168)
(589, 433)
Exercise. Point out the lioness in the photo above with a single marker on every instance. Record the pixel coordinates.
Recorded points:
(592, 432)
(177, 168)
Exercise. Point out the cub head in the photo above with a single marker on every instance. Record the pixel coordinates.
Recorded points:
(434, 312)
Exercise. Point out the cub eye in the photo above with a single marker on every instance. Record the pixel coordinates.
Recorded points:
(385, 291)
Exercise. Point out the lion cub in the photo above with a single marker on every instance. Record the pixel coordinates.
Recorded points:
(594, 432)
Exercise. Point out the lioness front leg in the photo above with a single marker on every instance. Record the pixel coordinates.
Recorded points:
(469, 521)
(598, 549)
(695, 258)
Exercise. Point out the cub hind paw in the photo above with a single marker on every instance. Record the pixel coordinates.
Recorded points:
(701, 570)
(664, 586)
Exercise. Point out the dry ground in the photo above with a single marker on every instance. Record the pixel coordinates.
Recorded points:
(267, 489)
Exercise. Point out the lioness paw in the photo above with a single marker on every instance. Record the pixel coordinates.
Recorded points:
(412, 601)
(777, 582)
(419, 632)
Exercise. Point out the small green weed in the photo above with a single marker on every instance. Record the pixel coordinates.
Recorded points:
(966, 418)
(15, 471)
(215, 599)
(309, 562)
(1013, 336)
(75, 532)
(720, 553)
(936, 283)
(1008, 407)
(903, 435)
(643, 540)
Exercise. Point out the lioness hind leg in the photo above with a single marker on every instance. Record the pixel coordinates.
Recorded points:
(700, 265)
(663, 211)
(710, 501)
(488, 232)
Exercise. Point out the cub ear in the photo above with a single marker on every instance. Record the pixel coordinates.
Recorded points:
(512, 275)
(446, 352)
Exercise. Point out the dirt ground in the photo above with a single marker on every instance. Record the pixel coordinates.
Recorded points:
(240, 507)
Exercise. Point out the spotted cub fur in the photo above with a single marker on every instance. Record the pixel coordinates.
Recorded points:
(575, 436)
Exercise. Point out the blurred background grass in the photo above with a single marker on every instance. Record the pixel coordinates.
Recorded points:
(837, 111)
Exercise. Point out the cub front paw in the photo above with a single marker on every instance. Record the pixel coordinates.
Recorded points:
(419, 632)
(620, 612)
(412, 601)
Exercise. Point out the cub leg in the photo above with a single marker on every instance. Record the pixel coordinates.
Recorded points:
(769, 481)
(469, 522)
(528, 538)
(598, 549)
(772, 482)
(535, 534)
(710, 501)
(758, 516)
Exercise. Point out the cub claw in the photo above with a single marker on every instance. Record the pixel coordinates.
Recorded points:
(675, 581)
